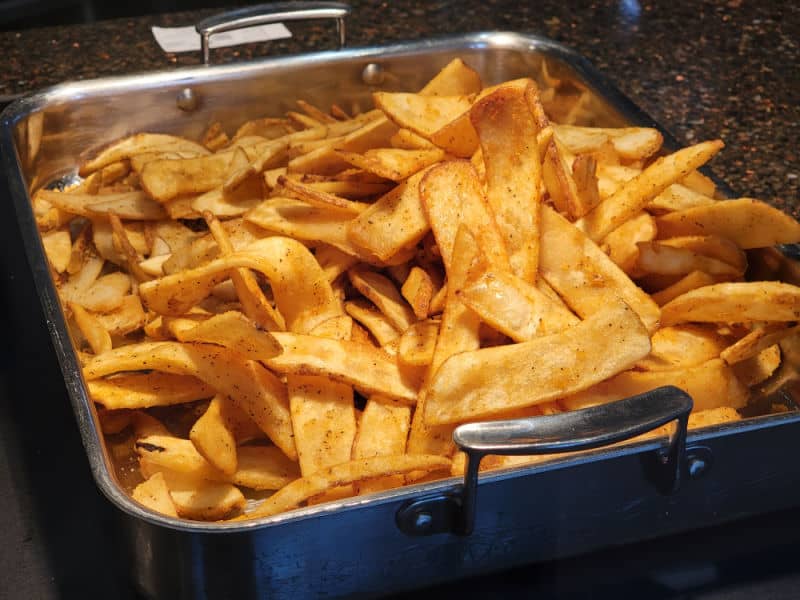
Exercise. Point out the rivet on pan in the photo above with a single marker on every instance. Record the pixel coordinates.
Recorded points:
(186, 100)
(373, 74)
(698, 461)
(422, 521)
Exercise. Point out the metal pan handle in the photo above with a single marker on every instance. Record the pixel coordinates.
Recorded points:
(264, 14)
(565, 432)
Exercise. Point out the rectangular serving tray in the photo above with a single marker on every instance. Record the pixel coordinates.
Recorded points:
(351, 547)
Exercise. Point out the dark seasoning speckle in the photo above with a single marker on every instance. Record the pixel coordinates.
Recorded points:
(703, 69)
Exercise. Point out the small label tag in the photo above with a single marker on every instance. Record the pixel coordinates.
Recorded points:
(186, 39)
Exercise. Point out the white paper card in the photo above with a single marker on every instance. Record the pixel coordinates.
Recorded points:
(186, 39)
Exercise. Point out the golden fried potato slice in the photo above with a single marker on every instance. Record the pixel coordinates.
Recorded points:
(711, 384)
(264, 468)
(91, 328)
(105, 293)
(308, 194)
(524, 312)
(212, 436)
(405, 139)
(486, 382)
(739, 302)
(665, 259)
(167, 179)
(58, 249)
(128, 205)
(234, 331)
(252, 388)
(323, 420)
(290, 217)
(678, 197)
(383, 293)
(382, 431)
(154, 494)
(424, 115)
(297, 492)
(631, 143)
(584, 276)
(397, 220)
(418, 342)
(205, 500)
(393, 163)
(621, 245)
(451, 194)
(233, 203)
(632, 197)
(711, 245)
(746, 222)
(301, 290)
(758, 340)
(375, 321)
(456, 78)
(507, 131)
(752, 371)
(363, 366)
(143, 390)
(692, 281)
(682, 346)
(418, 289)
(139, 144)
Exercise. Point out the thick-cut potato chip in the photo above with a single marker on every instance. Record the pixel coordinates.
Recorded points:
(251, 387)
(621, 245)
(299, 491)
(106, 293)
(264, 468)
(631, 143)
(678, 197)
(315, 197)
(235, 331)
(397, 220)
(418, 342)
(58, 248)
(143, 390)
(524, 312)
(421, 114)
(583, 275)
(154, 494)
(455, 78)
(711, 385)
(755, 369)
(393, 163)
(418, 289)
(682, 346)
(302, 293)
(757, 341)
(639, 191)
(485, 382)
(166, 179)
(212, 436)
(452, 195)
(323, 421)
(507, 130)
(91, 328)
(382, 431)
(383, 293)
(737, 302)
(692, 281)
(405, 139)
(128, 205)
(141, 143)
(746, 222)
(713, 246)
(233, 203)
(375, 321)
(365, 367)
(665, 259)
(204, 500)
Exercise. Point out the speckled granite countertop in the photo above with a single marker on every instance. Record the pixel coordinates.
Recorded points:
(701, 68)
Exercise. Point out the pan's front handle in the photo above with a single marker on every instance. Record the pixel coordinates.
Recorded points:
(264, 14)
(565, 432)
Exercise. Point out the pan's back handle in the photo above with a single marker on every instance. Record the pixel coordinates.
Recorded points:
(264, 14)
(565, 432)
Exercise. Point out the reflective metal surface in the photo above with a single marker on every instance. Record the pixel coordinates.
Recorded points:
(571, 505)
(264, 14)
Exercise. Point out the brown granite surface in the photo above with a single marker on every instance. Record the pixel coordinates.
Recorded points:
(700, 68)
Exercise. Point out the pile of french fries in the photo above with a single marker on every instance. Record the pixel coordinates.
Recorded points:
(322, 298)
